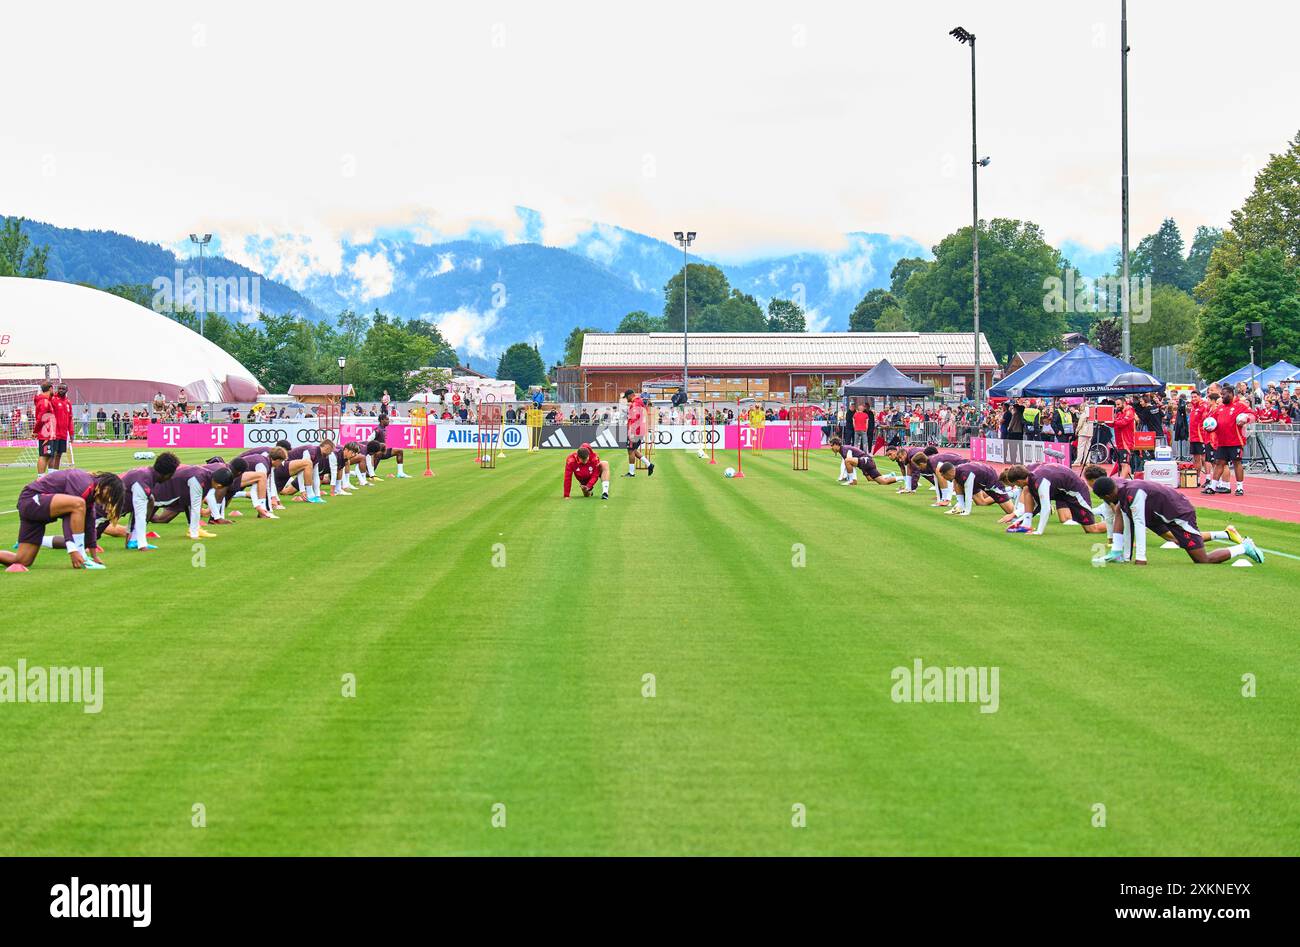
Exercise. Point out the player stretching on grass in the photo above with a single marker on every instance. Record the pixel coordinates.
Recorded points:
(1145, 505)
(265, 462)
(357, 458)
(927, 462)
(903, 457)
(378, 450)
(302, 471)
(184, 493)
(331, 463)
(636, 432)
(585, 464)
(854, 459)
(977, 485)
(70, 496)
(1042, 484)
(139, 485)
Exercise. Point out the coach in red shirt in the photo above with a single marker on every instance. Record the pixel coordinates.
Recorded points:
(586, 465)
(1125, 425)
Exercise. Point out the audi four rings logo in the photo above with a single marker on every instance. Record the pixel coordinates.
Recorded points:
(303, 435)
(689, 437)
(314, 435)
(264, 436)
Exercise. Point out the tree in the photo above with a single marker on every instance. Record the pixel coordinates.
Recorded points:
(739, 312)
(573, 345)
(707, 287)
(785, 315)
(641, 321)
(1159, 257)
(1198, 258)
(1173, 318)
(17, 256)
(902, 272)
(870, 308)
(392, 353)
(522, 364)
(1108, 335)
(1263, 289)
(1016, 267)
(892, 319)
(1269, 217)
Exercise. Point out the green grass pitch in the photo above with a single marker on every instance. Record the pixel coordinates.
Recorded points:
(519, 680)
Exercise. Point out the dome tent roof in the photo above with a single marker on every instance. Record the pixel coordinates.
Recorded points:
(110, 349)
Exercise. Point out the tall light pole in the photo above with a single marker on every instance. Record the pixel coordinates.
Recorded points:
(684, 240)
(965, 37)
(1123, 174)
(943, 360)
(202, 242)
(343, 363)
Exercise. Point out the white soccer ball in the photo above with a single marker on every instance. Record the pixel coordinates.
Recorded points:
(729, 472)
(1209, 424)
(1243, 419)
(700, 453)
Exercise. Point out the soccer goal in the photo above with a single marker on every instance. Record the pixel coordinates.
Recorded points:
(19, 384)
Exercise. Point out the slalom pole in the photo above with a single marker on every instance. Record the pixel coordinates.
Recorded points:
(428, 470)
(740, 445)
(713, 418)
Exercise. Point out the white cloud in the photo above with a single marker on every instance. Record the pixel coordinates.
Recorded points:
(850, 271)
(466, 329)
(374, 273)
(815, 321)
(291, 258)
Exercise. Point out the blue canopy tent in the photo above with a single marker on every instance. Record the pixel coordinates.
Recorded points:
(999, 389)
(1084, 372)
(1275, 373)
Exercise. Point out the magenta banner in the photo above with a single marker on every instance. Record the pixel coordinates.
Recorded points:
(224, 436)
(398, 436)
(776, 436)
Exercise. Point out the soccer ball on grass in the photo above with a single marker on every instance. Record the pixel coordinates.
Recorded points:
(729, 472)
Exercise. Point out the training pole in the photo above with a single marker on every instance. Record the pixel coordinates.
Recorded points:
(428, 468)
(713, 417)
(740, 444)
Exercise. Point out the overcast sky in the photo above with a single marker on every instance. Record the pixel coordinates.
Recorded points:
(766, 126)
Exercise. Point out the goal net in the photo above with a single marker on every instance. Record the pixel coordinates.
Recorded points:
(19, 385)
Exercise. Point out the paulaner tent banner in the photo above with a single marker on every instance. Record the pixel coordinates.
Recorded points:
(1000, 389)
(1085, 372)
(886, 380)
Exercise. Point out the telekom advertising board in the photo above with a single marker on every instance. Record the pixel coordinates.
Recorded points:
(241, 436)
(776, 436)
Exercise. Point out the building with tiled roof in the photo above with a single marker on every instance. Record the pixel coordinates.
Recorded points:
(772, 366)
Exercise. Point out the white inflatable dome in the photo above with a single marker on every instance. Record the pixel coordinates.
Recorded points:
(109, 349)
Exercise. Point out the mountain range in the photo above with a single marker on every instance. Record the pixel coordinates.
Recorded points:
(485, 292)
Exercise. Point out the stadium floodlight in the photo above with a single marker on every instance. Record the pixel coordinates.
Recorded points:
(202, 242)
(684, 240)
(967, 38)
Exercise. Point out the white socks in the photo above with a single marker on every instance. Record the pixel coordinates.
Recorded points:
(631, 469)
(604, 486)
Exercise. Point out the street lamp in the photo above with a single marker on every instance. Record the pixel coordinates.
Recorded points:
(202, 242)
(684, 240)
(965, 37)
(343, 363)
(1123, 177)
(943, 360)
